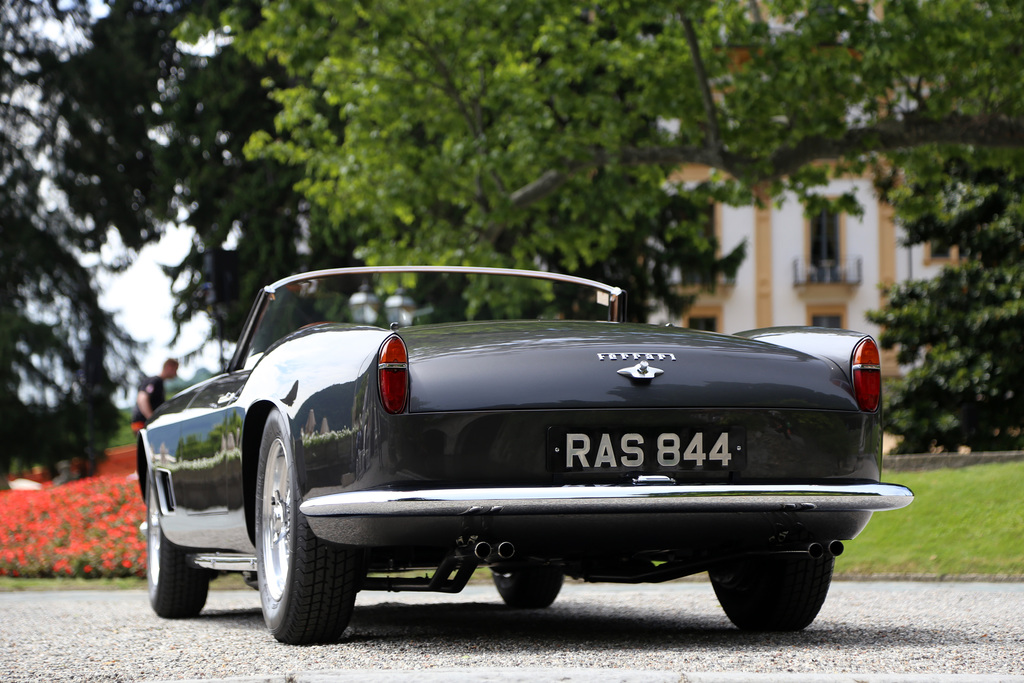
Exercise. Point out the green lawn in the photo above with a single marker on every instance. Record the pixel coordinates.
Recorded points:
(962, 521)
(966, 521)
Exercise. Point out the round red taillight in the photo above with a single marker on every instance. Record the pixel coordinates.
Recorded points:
(867, 375)
(393, 374)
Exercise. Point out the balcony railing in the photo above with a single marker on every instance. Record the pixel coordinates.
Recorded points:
(843, 272)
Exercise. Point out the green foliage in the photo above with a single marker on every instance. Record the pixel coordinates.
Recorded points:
(523, 133)
(415, 122)
(963, 331)
(962, 521)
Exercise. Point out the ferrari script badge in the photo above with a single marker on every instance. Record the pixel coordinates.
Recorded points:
(636, 356)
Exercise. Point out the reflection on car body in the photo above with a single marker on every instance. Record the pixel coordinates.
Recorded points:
(378, 422)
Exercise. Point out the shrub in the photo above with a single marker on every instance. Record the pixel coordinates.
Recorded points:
(88, 528)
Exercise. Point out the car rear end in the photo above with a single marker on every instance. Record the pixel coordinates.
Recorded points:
(575, 442)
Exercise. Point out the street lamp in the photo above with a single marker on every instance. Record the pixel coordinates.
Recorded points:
(364, 306)
(400, 308)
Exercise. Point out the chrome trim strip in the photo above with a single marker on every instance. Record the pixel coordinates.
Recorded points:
(143, 434)
(370, 270)
(617, 296)
(226, 562)
(610, 499)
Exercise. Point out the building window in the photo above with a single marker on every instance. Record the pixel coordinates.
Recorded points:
(827, 320)
(935, 252)
(825, 257)
(826, 316)
(707, 219)
(707, 319)
(824, 260)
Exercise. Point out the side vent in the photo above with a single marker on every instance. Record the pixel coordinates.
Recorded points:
(165, 491)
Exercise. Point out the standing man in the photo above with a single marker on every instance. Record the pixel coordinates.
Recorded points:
(151, 394)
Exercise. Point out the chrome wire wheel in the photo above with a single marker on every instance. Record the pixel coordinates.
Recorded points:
(276, 537)
(307, 587)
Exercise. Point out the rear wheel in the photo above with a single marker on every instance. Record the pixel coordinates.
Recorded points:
(307, 587)
(176, 588)
(773, 593)
(530, 588)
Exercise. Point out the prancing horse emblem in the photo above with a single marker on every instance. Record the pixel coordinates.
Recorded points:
(642, 372)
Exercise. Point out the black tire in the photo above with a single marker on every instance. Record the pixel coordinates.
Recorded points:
(530, 588)
(177, 590)
(307, 587)
(773, 593)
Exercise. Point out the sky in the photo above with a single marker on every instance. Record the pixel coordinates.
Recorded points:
(141, 301)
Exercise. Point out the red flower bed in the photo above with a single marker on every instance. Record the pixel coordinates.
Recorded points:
(87, 528)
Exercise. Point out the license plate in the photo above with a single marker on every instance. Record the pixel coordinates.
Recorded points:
(646, 450)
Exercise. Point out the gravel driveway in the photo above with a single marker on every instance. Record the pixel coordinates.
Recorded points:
(895, 628)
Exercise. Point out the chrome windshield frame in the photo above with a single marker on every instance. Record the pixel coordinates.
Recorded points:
(616, 295)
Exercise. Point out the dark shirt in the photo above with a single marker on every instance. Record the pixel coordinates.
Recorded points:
(154, 388)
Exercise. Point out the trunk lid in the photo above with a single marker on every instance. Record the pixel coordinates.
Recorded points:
(525, 365)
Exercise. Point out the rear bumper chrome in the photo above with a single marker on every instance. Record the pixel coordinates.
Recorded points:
(575, 500)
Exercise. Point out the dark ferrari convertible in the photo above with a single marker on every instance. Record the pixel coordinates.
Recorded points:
(399, 428)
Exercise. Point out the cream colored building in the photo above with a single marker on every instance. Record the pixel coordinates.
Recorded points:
(825, 271)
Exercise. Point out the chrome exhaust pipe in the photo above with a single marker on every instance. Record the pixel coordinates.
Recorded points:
(836, 548)
(815, 550)
(486, 552)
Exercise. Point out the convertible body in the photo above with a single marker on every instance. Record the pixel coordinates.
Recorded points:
(508, 419)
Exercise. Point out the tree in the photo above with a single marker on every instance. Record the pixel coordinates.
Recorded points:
(113, 125)
(963, 331)
(211, 102)
(466, 132)
(422, 173)
(73, 168)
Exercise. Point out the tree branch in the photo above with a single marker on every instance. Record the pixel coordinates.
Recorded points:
(472, 112)
(547, 184)
(714, 136)
(886, 136)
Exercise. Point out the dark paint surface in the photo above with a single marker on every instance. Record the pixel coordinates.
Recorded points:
(484, 397)
(538, 365)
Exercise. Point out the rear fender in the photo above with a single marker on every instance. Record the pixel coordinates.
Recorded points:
(833, 345)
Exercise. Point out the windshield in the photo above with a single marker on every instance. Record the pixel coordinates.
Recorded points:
(423, 296)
